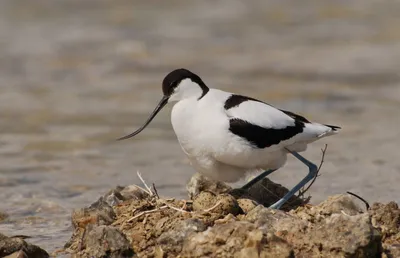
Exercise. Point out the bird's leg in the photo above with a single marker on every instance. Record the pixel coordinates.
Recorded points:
(257, 179)
(313, 170)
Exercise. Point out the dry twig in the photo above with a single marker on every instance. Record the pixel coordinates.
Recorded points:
(144, 182)
(146, 212)
(213, 207)
(361, 199)
(303, 191)
(175, 208)
(145, 219)
(155, 191)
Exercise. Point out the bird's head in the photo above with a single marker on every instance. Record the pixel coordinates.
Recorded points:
(177, 85)
(182, 84)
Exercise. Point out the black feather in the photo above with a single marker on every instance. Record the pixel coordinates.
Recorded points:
(261, 137)
(235, 100)
(334, 127)
(172, 80)
(295, 116)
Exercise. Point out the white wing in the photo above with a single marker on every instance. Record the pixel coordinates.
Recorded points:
(261, 114)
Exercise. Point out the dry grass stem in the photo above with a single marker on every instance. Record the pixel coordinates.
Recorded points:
(213, 207)
(146, 212)
(144, 183)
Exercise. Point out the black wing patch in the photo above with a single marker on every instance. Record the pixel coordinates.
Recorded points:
(235, 100)
(304, 120)
(261, 137)
(334, 127)
(295, 116)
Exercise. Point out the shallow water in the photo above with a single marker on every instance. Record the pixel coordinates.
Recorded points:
(76, 74)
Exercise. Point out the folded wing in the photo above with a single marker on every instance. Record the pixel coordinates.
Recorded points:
(264, 126)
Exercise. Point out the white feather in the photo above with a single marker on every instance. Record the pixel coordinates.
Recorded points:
(261, 114)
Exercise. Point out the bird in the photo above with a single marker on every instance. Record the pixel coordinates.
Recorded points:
(226, 136)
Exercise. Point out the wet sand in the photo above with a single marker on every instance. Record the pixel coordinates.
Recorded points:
(76, 74)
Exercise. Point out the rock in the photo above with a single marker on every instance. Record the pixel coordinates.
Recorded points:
(237, 239)
(121, 194)
(338, 236)
(133, 192)
(17, 247)
(391, 251)
(337, 204)
(113, 197)
(223, 203)
(386, 218)
(199, 183)
(171, 241)
(106, 241)
(98, 213)
(266, 217)
(228, 218)
(19, 254)
(352, 235)
(274, 221)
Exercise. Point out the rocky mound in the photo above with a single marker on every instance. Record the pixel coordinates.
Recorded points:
(221, 222)
(16, 247)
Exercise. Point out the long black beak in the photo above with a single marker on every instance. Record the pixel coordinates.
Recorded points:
(160, 105)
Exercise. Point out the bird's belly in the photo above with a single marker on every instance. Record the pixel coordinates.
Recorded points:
(241, 154)
(227, 160)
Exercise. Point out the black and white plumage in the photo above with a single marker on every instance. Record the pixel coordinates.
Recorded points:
(225, 135)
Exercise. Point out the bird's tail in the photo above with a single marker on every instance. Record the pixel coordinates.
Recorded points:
(334, 127)
(316, 130)
(333, 130)
(313, 132)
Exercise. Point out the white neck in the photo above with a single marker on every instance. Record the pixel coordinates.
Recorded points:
(186, 89)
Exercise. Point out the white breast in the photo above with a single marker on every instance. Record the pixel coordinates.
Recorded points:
(199, 125)
(201, 128)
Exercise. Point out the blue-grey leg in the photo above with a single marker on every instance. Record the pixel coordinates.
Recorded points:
(313, 170)
(257, 179)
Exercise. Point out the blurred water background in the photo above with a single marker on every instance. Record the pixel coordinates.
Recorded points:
(76, 74)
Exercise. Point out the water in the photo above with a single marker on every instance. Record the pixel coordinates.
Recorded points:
(77, 74)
